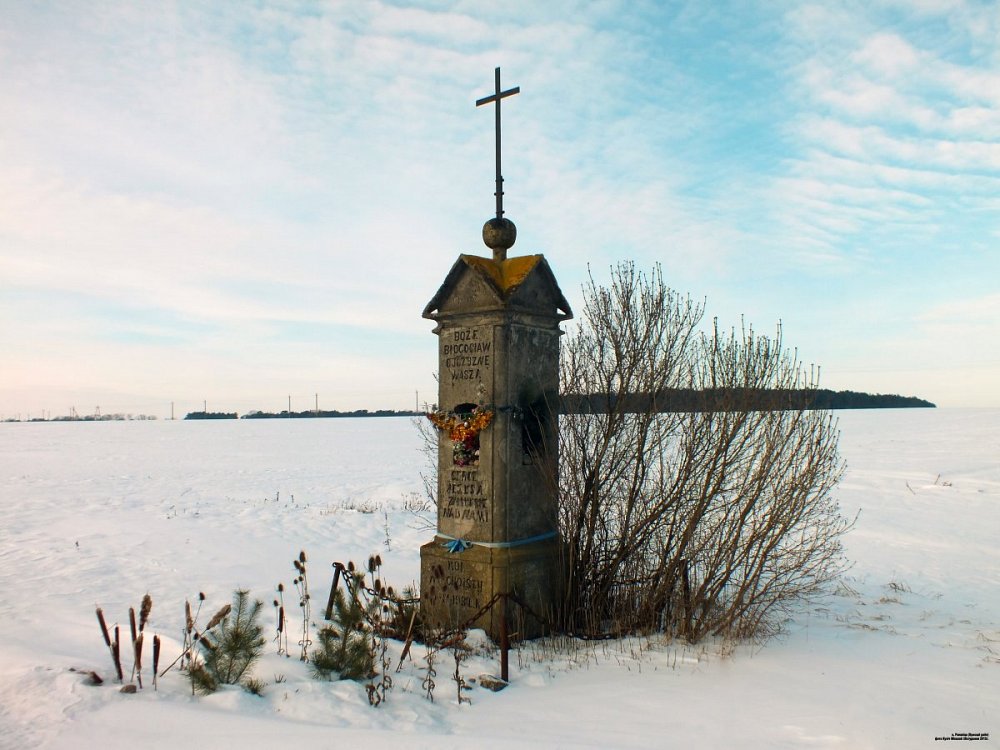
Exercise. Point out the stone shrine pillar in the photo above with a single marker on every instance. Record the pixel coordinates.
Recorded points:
(497, 523)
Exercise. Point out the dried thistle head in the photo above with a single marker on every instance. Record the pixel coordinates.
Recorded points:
(144, 610)
(219, 616)
(302, 556)
(104, 626)
(201, 596)
(281, 587)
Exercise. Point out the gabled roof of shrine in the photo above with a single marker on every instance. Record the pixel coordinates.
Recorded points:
(504, 278)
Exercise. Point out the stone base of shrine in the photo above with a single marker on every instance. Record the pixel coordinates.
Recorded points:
(455, 586)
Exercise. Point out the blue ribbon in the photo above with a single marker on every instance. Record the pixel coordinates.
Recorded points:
(456, 545)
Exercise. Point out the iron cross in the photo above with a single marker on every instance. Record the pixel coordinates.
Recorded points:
(496, 97)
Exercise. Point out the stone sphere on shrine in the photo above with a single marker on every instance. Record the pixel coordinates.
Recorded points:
(499, 234)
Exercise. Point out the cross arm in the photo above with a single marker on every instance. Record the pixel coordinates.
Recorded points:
(502, 95)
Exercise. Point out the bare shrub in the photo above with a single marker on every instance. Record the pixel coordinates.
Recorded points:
(424, 506)
(706, 520)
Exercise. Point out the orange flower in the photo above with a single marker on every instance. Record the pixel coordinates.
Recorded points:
(459, 429)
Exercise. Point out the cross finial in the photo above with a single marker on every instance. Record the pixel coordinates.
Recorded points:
(496, 97)
(498, 233)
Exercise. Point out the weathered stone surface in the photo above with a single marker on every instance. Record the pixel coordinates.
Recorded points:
(491, 682)
(499, 235)
(90, 677)
(498, 333)
(455, 587)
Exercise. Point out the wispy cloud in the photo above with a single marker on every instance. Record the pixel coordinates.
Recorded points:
(277, 189)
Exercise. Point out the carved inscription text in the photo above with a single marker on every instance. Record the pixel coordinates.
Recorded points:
(464, 497)
(462, 589)
(466, 353)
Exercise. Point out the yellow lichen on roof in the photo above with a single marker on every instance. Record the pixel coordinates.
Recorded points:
(507, 274)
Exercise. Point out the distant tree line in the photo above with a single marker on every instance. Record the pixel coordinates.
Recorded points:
(86, 418)
(320, 413)
(667, 401)
(676, 400)
(311, 414)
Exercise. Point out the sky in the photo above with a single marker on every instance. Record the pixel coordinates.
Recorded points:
(242, 205)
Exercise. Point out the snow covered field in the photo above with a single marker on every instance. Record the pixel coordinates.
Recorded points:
(100, 513)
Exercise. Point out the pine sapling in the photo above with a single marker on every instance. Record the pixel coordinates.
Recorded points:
(344, 648)
(231, 650)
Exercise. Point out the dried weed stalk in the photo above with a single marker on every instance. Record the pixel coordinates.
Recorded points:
(305, 603)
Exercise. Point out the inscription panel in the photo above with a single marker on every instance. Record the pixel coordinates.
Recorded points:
(465, 496)
(463, 586)
(466, 354)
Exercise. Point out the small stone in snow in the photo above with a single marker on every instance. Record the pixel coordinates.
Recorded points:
(490, 682)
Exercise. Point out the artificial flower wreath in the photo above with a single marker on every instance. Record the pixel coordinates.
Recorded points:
(463, 430)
